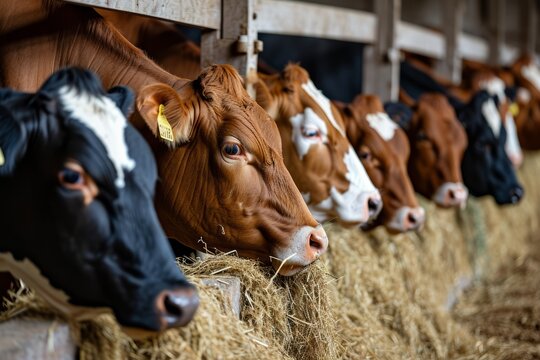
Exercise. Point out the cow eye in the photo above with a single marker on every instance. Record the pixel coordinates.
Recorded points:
(311, 132)
(71, 178)
(232, 150)
(365, 155)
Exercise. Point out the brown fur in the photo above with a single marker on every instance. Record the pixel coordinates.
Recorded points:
(384, 161)
(438, 142)
(202, 201)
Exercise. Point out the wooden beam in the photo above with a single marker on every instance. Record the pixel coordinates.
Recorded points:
(236, 41)
(452, 12)
(419, 40)
(381, 61)
(496, 30)
(473, 48)
(529, 16)
(321, 21)
(201, 13)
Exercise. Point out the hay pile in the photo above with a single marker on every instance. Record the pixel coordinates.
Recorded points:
(281, 318)
(373, 296)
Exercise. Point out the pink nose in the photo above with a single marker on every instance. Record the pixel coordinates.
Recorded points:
(177, 307)
(317, 243)
(414, 218)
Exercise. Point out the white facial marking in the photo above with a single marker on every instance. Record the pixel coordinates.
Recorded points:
(492, 116)
(323, 102)
(31, 275)
(531, 72)
(494, 86)
(104, 118)
(523, 95)
(308, 120)
(350, 206)
(382, 124)
(512, 146)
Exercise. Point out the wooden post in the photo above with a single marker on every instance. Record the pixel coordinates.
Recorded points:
(496, 29)
(236, 42)
(529, 16)
(452, 14)
(381, 61)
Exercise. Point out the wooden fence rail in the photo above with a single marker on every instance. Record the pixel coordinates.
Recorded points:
(231, 28)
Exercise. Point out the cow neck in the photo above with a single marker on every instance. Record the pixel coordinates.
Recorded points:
(77, 37)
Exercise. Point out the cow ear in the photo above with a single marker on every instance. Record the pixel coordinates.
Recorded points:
(123, 97)
(13, 140)
(166, 113)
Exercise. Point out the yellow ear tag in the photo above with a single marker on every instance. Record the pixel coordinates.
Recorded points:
(514, 109)
(2, 158)
(164, 128)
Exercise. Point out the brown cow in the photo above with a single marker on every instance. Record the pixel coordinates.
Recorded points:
(438, 143)
(334, 188)
(384, 150)
(224, 184)
(316, 150)
(527, 75)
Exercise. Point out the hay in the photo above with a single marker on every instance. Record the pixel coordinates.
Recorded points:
(281, 319)
(373, 296)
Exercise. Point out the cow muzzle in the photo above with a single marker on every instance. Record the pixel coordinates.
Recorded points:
(176, 308)
(451, 195)
(308, 244)
(407, 219)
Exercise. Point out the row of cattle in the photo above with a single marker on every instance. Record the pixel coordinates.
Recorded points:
(257, 177)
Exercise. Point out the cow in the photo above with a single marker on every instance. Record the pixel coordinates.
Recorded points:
(526, 75)
(487, 170)
(77, 216)
(335, 186)
(384, 150)
(316, 150)
(486, 167)
(223, 181)
(437, 141)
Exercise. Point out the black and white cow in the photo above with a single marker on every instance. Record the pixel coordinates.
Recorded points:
(487, 170)
(76, 210)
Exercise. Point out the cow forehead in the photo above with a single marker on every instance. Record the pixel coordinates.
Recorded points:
(101, 115)
(531, 72)
(324, 103)
(494, 86)
(382, 124)
(492, 116)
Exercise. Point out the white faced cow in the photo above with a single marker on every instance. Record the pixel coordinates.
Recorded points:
(77, 216)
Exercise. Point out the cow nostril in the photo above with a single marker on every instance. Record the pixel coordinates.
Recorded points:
(318, 242)
(451, 194)
(411, 218)
(172, 307)
(177, 307)
(373, 205)
(516, 194)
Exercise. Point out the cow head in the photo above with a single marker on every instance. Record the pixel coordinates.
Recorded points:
(316, 151)
(437, 143)
(496, 87)
(384, 151)
(527, 73)
(486, 167)
(224, 184)
(77, 216)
